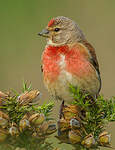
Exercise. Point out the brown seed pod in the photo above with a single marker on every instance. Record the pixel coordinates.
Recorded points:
(24, 124)
(74, 136)
(47, 127)
(3, 122)
(63, 124)
(4, 115)
(51, 127)
(3, 134)
(43, 128)
(13, 130)
(28, 97)
(74, 123)
(72, 108)
(71, 111)
(104, 138)
(27, 115)
(37, 119)
(4, 119)
(88, 141)
(3, 95)
(68, 115)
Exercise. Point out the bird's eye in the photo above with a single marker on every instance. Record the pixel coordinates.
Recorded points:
(57, 29)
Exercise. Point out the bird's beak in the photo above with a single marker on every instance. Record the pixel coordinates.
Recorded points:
(44, 33)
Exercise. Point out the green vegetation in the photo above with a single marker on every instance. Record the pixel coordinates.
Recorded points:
(84, 121)
(26, 124)
(99, 111)
(23, 122)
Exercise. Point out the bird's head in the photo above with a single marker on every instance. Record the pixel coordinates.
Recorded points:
(62, 30)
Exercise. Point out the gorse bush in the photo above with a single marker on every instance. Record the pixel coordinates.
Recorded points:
(24, 124)
(83, 123)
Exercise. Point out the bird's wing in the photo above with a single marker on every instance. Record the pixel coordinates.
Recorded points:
(93, 58)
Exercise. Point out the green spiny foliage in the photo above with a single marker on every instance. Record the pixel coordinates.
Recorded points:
(99, 111)
(26, 87)
(46, 108)
(31, 134)
(15, 111)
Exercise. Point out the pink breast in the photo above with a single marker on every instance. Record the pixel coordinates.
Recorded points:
(77, 64)
(50, 61)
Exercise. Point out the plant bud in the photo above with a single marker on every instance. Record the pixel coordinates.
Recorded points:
(37, 119)
(89, 141)
(28, 97)
(43, 128)
(3, 95)
(72, 108)
(4, 118)
(74, 123)
(63, 124)
(26, 116)
(104, 138)
(68, 115)
(13, 130)
(24, 124)
(74, 137)
(71, 111)
(51, 128)
(3, 122)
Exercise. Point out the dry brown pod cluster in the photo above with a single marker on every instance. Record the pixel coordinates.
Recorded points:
(71, 129)
(34, 122)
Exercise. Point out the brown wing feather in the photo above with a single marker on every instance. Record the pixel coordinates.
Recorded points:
(93, 58)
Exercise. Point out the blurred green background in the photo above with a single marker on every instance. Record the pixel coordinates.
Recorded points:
(21, 48)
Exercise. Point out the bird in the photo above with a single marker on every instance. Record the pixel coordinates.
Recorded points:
(68, 59)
